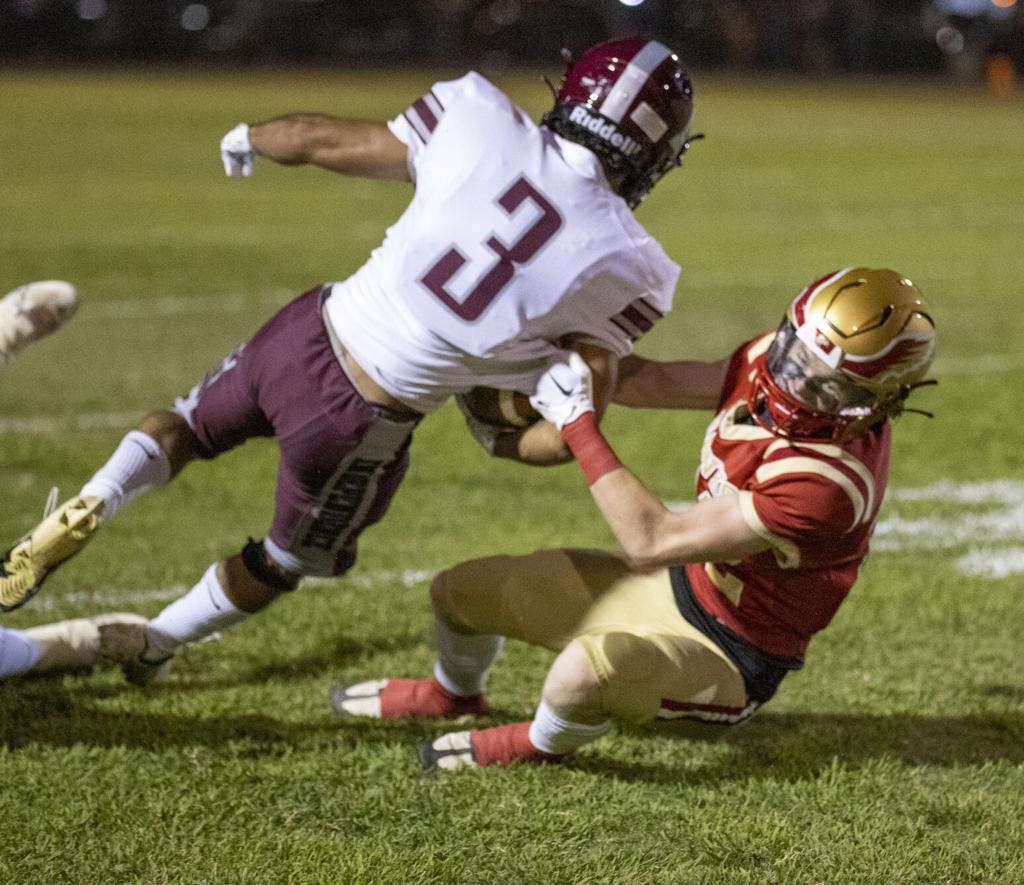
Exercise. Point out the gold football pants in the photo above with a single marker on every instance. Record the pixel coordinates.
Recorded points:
(650, 662)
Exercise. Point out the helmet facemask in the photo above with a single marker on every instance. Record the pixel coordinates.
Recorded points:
(799, 395)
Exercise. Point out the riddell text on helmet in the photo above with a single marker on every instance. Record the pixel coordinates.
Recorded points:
(603, 129)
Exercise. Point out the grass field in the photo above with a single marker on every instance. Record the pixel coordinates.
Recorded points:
(896, 755)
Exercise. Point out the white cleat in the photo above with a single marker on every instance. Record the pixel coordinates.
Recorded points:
(126, 643)
(74, 646)
(449, 752)
(32, 311)
(362, 699)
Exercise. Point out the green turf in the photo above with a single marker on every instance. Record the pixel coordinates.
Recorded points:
(897, 755)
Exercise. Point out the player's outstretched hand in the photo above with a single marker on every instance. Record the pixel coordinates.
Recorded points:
(565, 391)
(237, 152)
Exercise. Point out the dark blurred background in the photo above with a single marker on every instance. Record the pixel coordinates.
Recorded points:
(977, 39)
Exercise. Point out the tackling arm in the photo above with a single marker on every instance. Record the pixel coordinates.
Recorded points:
(714, 530)
(651, 535)
(684, 384)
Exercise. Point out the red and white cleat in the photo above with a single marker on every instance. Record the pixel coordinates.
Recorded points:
(399, 698)
(501, 745)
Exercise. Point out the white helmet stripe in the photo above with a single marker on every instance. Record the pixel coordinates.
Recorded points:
(632, 80)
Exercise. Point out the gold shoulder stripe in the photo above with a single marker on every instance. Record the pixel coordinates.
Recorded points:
(759, 346)
(798, 464)
(843, 457)
(729, 429)
(787, 554)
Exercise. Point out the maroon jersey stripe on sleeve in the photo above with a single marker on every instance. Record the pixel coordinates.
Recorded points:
(425, 113)
(638, 319)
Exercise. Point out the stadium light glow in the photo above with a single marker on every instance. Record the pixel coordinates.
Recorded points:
(91, 10)
(950, 40)
(195, 17)
(632, 2)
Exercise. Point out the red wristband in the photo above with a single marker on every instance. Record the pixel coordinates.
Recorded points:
(590, 448)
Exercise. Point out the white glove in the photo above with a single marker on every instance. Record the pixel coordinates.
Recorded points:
(237, 152)
(483, 432)
(565, 391)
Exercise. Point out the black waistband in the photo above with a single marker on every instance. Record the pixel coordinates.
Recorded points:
(762, 672)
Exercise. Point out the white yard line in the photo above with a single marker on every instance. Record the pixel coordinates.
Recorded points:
(982, 521)
(45, 425)
(993, 562)
(113, 598)
(179, 305)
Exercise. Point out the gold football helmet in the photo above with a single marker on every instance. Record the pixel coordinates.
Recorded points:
(849, 351)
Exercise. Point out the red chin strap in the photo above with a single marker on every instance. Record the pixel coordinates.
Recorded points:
(782, 414)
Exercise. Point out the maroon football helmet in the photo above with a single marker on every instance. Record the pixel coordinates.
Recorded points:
(630, 102)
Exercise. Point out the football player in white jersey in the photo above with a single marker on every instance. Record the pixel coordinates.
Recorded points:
(27, 314)
(519, 240)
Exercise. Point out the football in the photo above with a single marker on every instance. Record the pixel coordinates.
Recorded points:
(502, 408)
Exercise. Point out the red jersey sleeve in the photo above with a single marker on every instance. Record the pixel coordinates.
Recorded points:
(801, 505)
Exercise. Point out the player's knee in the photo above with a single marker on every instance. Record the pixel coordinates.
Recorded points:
(572, 688)
(443, 598)
(468, 595)
(173, 434)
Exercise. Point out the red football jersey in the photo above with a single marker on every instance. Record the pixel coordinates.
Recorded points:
(814, 503)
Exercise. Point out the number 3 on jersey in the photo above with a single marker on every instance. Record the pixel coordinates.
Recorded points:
(499, 274)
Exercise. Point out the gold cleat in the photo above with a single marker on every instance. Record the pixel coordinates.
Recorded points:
(61, 534)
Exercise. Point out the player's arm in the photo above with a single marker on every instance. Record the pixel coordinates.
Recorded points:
(349, 147)
(713, 530)
(541, 443)
(651, 535)
(682, 384)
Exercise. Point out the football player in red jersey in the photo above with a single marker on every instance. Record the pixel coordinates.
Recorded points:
(711, 606)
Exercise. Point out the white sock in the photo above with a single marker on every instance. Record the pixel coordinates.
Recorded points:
(137, 464)
(550, 733)
(18, 653)
(205, 609)
(463, 659)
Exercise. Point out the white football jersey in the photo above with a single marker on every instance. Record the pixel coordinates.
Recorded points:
(513, 241)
